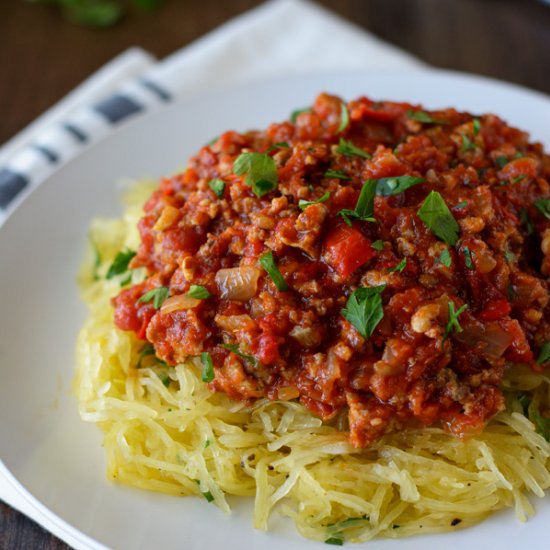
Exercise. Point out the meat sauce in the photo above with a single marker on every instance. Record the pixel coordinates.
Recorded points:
(453, 314)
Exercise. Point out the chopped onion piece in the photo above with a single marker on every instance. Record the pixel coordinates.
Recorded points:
(238, 283)
(180, 301)
(286, 393)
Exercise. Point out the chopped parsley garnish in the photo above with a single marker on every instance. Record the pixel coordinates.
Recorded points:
(158, 295)
(435, 213)
(207, 495)
(337, 528)
(467, 144)
(526, 220)
(543, 206)
(97, 259)
(453, 323)
(399, 267)
(517, 179)
(510, 256)
(348, 149)
(541, 424)
(476, 126)
(199, 292)
(423, 117)
(234, 348)
(278, 145)
(544, 354)
(461, 205)
(445, 258)
(378, 245)
(468, 258)
(364, 210)
(146, 351)
(395, 185)
(335, 541)
(207, 374)
(207, 444)
(303, 204)
(120, 263)
(218, 186)
(294, 115)
(267, 261)
(501, 161)
(364, 309)
(164, 378)
(260, 170)
(336, 174)
(344, 118)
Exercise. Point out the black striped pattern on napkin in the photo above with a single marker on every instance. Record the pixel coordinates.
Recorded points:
(20, 173)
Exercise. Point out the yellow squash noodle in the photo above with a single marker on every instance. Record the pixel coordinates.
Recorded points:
(165, 431)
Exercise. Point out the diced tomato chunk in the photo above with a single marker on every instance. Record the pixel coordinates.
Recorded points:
(347, 249)
(495, 310)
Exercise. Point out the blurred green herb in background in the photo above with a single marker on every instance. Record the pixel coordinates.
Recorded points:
(98, 13)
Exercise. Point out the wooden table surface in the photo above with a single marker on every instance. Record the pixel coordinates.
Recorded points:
(42, 57)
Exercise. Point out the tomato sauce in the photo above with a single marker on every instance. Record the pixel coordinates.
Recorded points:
(455, 311)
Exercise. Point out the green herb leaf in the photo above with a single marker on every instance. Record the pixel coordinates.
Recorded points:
(278, 145)
(445, 258)
(303, 204)
(364, 309)
(467, 144)
(335, 541)
(378, 245)
(146, 351)
(336, 174)
(461, 205)
(510, 257)
(544, 354)
(207, 444)
(344, 118)
(147, 5)
(208, 496)
(476, 126)
(526, 220)
(395, 185)
(364, 210)
(435, 213)
(542, 425)
(92, 13)
(423, 117)
(348, 149)
(158, 295)
(501, 161)
(399, 267)
(199, 292)
(295, 114)
(207, 367)
(517, 179)
(164, 378)
(543, 206)
(218, 186)
(267, 261)
(234, 348)
(337, 528)
(260, 170)
(453, 323)
(120, 263)
(468, 258)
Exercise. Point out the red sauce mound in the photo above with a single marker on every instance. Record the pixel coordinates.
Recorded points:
(427, 359)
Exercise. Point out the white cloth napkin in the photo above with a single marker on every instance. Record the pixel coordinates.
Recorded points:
(247, 47)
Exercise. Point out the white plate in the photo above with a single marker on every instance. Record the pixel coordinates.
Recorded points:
(56, 458)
